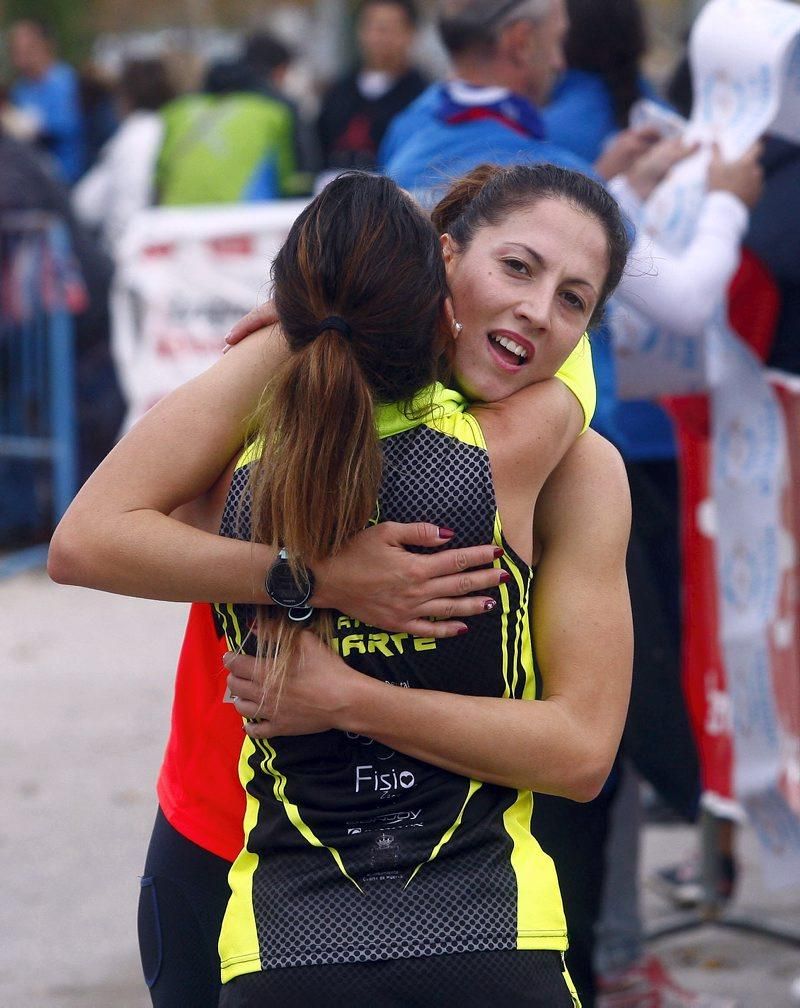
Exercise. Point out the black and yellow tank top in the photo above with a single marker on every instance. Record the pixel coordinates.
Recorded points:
(355, 852)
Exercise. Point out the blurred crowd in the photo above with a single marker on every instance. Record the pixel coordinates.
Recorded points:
(96, 151)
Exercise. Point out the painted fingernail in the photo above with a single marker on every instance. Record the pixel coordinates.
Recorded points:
(498, 553)
(489, 604)
(446, 533)
(462, 630)
(505, 577)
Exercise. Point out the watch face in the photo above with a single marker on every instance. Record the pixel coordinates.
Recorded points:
(283, 588)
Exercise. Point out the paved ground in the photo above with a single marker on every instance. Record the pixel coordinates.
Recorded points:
(86, 687)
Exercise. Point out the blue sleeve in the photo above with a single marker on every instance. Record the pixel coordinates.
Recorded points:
(61, 106)
(580, 117)
(263, 184)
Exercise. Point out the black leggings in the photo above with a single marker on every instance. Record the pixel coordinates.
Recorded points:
(181, 905)
(468, 980)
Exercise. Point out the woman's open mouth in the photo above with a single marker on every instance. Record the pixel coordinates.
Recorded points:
(507, 351)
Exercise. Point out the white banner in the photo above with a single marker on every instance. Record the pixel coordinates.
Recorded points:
(745, 57)
(184, 276)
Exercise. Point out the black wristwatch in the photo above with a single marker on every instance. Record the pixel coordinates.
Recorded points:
(288, 592)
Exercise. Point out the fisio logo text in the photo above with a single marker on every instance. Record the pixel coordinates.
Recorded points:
(368, 778)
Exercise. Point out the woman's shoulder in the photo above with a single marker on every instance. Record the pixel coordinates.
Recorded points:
(588, 489)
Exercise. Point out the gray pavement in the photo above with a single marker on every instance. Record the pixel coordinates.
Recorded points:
(86, 686)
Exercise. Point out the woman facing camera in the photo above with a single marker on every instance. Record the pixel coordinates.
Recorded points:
(388, 846)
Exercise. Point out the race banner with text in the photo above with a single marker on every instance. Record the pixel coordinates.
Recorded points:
(184, 276)
(740, 566)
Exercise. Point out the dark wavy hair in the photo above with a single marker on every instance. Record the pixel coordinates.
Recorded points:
(608, 37)
(365, 254)
(491, 193)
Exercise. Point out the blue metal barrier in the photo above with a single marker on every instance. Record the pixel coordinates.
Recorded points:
(39, 289)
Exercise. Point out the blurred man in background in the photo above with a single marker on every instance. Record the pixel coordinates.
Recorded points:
(357, 109)
(48, 90)
(506, 55)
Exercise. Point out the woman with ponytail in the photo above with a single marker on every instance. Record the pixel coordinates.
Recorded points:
(388, 857)
(355, 340)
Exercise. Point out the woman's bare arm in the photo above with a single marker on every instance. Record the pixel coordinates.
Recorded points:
(563, 744)
(117, 534)
(120, 534)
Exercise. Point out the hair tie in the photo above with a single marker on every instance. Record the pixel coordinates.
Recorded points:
(337, 323)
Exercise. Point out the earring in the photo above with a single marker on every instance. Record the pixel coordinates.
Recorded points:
(458, 329)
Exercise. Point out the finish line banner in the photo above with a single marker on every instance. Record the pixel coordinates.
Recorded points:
(184, 276)
(741, 544)
(746, 721)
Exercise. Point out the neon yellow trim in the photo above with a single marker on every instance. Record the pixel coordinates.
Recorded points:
(540, 914)
(462, 426)
(523, 648)
(520, 617)
(546, 940)
(577, 373)
(531, 675)
(250, 453)
(504, 606)
(428, 405)
(474, 786)
(293, 812)
(230, 625)
(239, 930)
(576, 1001)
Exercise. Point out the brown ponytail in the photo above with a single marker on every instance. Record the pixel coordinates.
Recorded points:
(317, 480)
(363, 252)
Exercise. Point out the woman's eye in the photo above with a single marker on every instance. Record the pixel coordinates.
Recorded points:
(574, 301)
(518, 266)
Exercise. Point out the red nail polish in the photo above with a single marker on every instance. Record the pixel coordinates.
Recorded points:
(462, 630)
(498, 553)
(446, 533)
(505, 577)
(489, 604)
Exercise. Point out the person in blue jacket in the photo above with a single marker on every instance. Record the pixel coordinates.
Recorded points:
(592, 100)
(506, 55)
(48, 90)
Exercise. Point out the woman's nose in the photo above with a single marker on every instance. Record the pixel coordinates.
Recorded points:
(535, 308)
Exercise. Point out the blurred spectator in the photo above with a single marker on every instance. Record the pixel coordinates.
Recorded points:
(774, 237)
(16, 122)
(680, 293)
(228, 144)
(48, 90)
(98, 106)
(26, 184)
(269, 59)
(357, 109)
(505, 59)
(122, 181)
(772, 234)
(592, 100)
